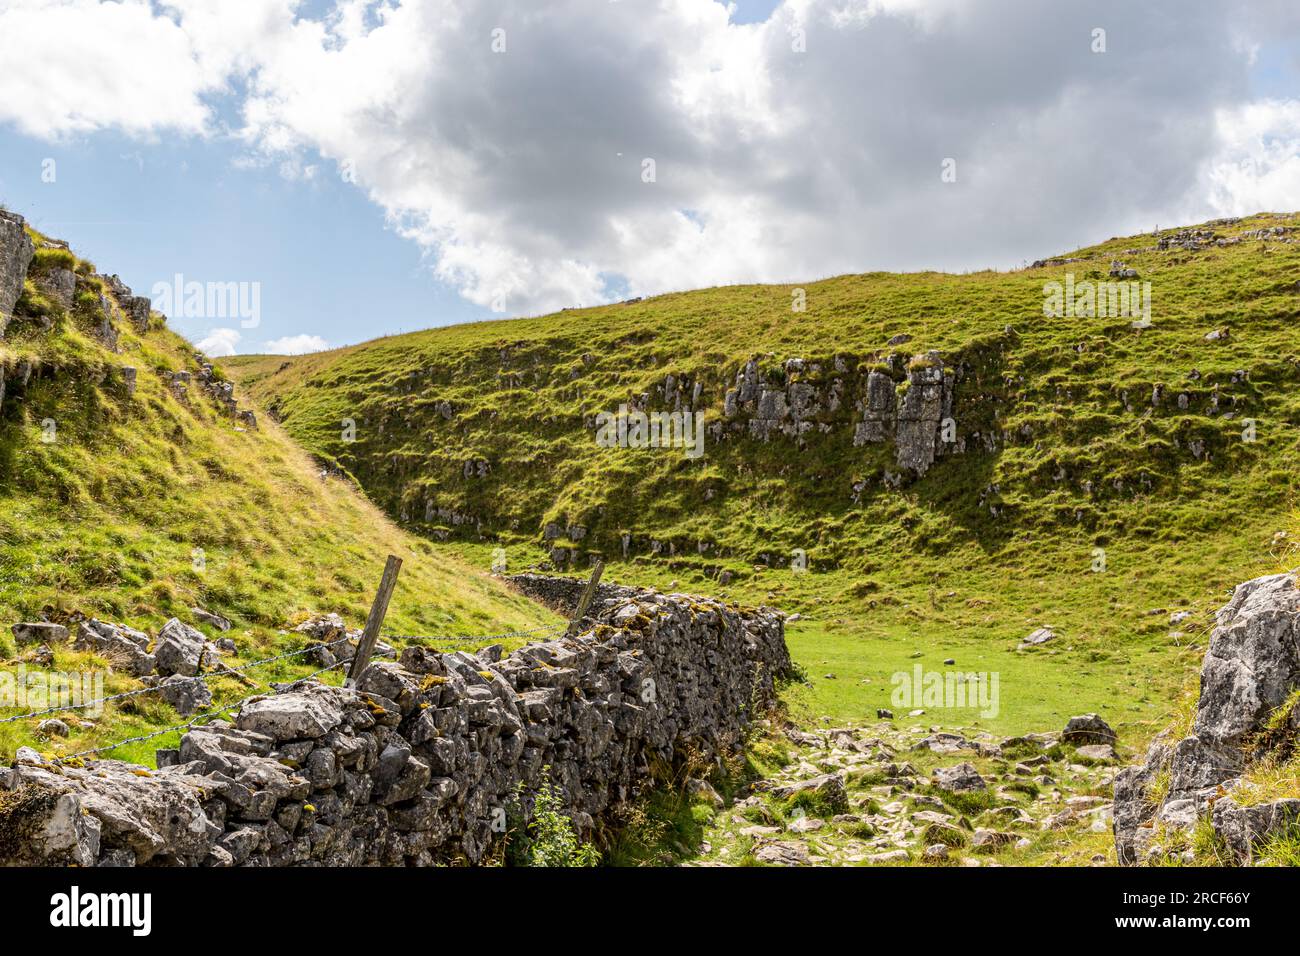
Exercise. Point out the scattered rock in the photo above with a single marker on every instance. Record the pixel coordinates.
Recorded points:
(1038, 637)
(52, 728)
(39, 632)
(1087, 729)
(214, 620)
(961, 778)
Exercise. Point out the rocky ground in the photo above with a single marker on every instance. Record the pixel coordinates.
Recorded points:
(899, 793)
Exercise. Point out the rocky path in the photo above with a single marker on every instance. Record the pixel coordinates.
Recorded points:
(885, 794)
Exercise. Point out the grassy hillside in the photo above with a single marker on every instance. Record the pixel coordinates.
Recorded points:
(135, 507)
(1078, 502)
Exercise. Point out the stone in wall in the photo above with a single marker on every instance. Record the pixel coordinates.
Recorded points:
(416, 765)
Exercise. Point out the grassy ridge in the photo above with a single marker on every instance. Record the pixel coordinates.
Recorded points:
(959, 564)
(143, 506)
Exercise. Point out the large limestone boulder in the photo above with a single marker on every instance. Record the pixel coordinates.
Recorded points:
(16, 251)
(125, 648)
(1251, 668)
(181, 649)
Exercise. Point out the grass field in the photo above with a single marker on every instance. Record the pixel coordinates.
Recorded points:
(1091, 512)
(143, 506)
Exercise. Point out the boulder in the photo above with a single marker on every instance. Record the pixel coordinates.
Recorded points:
(1038, 637)
(213, 620)
(181, 649)
(958, 779)
(1087, 729)
(187, 694)
(1244, 829)
(39, 632)
(1250, 670)
(123, 647)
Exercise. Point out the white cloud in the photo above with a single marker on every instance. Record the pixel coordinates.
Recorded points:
(1258, 164)
(295, 345)
(76, 66)
(520, 172)
(218, 343)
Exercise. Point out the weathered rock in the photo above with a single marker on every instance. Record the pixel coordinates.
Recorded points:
(52, 728)
(39, 632)
(1038, 637)
(1087, 729)
(123, 647)
(827, 789)
(320, 775)
(16, 251)
(308, 714)
(207, 617)
(788, 853)
(920, 414)
(181, 649)
(1251, 668)
(961, 778)
(1103, 753)
(1244, 829)
(187, 694)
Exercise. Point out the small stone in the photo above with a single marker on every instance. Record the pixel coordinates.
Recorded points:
(52, 728)
(207, 617)
(1038, 637)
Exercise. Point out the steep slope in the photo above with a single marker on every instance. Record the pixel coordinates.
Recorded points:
(134, 486)
(953, 466)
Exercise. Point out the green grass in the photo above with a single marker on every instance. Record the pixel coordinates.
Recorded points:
(927, 567)
(110, 520)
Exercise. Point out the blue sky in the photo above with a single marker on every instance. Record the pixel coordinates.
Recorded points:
(518, 179)
(319, 249)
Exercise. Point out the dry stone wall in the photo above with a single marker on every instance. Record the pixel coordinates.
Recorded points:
(424, 760)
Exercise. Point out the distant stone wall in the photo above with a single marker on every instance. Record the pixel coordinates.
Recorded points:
(424, 761)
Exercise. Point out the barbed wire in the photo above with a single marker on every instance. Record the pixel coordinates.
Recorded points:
(244, 668)
(157, 688)
(189, 724)
(478, 637)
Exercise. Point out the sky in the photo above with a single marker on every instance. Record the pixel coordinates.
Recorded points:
(364, 167)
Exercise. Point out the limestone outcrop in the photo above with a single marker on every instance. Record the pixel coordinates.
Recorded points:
(1249, 677)
(16, 251)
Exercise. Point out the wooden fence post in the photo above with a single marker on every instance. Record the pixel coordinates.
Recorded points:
(584, 602)
(376, 619)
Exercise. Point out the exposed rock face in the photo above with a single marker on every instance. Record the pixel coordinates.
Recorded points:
(1250, 669)
(881, 412)
(802, 396)
(419, 763)
(926, 403)
(16, 251)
